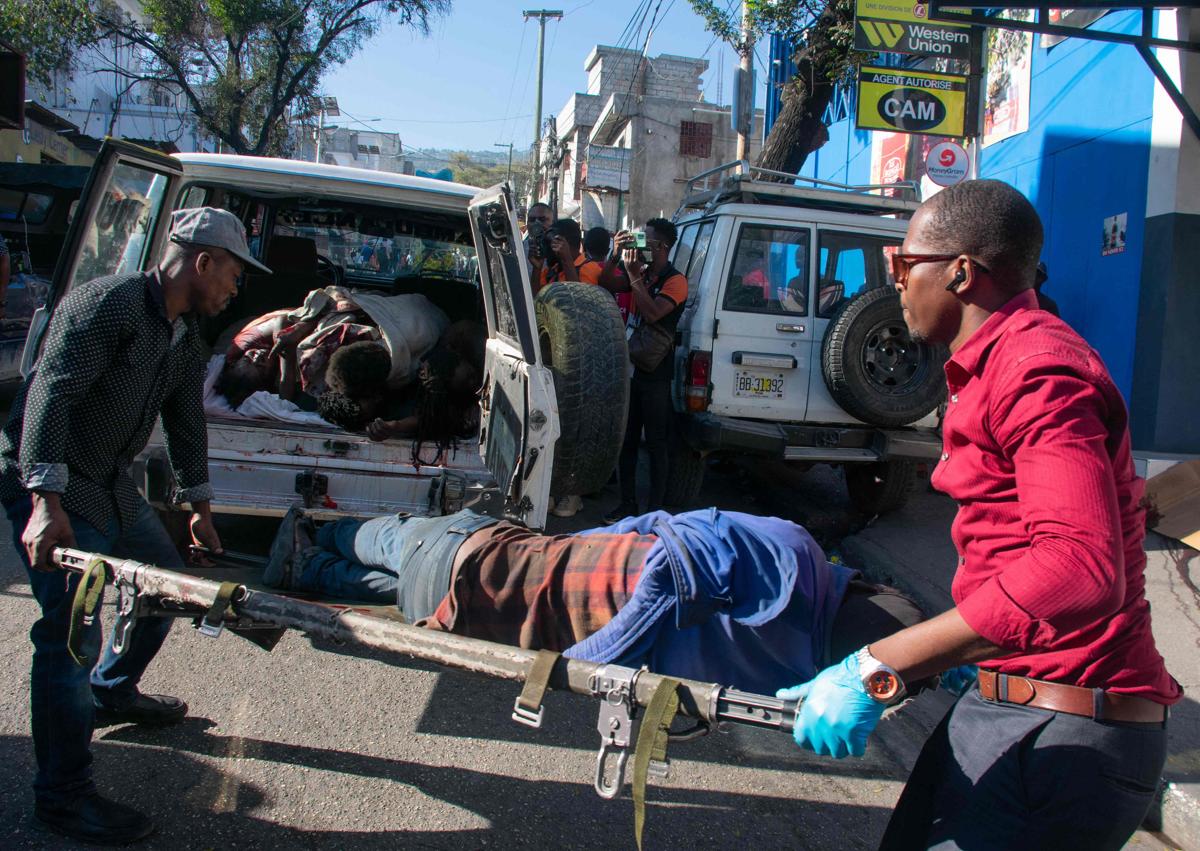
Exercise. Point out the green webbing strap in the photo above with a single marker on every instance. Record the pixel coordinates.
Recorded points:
(214, 618)
(528, 708)
(88, 596)
(652, 745)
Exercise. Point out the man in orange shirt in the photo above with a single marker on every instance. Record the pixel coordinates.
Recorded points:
(660, 294)
(567, 262)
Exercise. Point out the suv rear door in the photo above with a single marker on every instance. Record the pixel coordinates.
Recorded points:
(764, 332)
(119, 220)
(519, 412)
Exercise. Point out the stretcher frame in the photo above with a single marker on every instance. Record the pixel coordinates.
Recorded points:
(146, 590)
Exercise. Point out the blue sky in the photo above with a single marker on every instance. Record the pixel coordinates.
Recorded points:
(478, 65)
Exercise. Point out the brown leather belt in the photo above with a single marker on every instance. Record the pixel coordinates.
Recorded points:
(1074, 700)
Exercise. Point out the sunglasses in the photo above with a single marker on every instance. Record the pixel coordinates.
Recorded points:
(902, 263)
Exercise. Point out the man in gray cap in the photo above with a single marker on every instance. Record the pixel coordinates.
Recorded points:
(119, 352)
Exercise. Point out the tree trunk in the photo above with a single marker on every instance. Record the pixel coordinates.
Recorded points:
(798, 129)
(821, 61)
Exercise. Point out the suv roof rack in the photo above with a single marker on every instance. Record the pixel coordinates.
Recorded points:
(738, 181)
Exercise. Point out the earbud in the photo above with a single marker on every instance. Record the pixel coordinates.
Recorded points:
(960, 278)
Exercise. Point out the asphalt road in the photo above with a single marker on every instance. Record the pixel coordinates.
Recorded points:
(310, 747)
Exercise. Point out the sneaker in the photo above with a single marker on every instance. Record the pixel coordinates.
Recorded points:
(623, 510)
(95, 819)
(567, 506)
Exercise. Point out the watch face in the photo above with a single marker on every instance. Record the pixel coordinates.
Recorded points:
(883, 686)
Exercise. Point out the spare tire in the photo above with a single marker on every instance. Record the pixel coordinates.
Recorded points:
(582, 342)
(874, 369)
(882, 486)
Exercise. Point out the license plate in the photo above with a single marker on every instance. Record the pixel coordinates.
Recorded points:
(758, 385)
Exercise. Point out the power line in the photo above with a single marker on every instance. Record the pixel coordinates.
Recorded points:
(513, 83)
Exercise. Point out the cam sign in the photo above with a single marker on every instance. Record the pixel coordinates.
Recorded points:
(912, 102)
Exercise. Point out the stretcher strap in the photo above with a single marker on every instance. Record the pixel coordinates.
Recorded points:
(89, 594)
(652, 745)
(528, 709)
(215, 616)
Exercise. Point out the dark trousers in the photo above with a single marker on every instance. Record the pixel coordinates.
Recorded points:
(1000, 776)
(61, 692)
(649, 411)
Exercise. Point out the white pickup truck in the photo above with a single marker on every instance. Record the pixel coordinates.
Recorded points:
(547, 422)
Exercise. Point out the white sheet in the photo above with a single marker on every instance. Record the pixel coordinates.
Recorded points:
(259, 406)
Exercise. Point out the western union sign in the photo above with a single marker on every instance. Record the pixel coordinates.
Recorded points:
(902, 26)
(912, 102)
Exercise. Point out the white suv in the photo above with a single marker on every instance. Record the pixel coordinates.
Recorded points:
(793, 345)
(317, 225)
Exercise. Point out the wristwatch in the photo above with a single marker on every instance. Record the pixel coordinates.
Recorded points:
(881, 682)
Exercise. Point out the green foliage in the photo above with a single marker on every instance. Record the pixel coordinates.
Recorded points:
(48, 32)
(245, 65)
(472, 173)
(789, 18)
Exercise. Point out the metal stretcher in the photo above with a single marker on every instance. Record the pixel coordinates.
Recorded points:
(144, 590)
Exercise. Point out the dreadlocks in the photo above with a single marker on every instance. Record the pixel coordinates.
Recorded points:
(439, 414)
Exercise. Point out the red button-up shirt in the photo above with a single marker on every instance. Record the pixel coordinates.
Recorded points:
(1049, 528)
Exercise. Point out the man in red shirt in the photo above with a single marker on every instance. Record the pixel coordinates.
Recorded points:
(1061, 741)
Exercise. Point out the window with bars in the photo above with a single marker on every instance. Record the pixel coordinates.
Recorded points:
(695, 139)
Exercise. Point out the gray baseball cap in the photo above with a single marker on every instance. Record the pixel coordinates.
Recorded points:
(215, 228)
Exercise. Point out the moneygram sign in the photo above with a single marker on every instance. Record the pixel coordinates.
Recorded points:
(901, 26)
(912, 101)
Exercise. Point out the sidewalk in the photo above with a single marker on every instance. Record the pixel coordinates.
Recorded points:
(911, 549)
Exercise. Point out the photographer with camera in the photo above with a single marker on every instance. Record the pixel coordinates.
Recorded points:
(564, 260)
(659, 296)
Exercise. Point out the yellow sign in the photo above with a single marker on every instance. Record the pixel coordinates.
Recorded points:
(912, 102)
(899, 10)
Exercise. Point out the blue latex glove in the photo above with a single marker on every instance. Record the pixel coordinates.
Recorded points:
(958, 680)
(837, 714)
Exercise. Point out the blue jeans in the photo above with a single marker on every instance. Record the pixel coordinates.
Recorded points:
(61, 696)
(393, 559)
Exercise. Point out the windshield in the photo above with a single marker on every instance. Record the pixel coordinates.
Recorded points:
(381, 247)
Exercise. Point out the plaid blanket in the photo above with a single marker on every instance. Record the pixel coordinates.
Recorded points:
(538, 591)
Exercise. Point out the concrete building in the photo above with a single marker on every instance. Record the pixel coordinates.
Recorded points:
(351, 147)
(639, 132)
(1106, 158)
(101, 97)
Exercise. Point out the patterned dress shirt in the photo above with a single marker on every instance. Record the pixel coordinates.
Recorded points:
(110, 364)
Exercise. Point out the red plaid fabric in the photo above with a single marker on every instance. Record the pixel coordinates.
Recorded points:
(540, 592)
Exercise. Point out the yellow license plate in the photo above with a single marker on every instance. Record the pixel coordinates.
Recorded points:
(758, 385)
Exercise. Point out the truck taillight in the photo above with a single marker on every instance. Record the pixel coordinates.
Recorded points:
(699, 369)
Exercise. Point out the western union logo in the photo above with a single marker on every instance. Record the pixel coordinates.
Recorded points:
(882, 34)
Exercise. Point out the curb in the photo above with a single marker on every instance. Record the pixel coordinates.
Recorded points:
(1176, 811)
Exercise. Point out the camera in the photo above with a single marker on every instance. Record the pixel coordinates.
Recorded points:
(639, 238)
(539, 240)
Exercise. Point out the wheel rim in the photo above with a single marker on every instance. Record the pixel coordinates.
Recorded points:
(892, 361)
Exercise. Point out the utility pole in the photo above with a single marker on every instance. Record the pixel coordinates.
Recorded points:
(541, 15)
(328, 106)
(745, 118)
(509, 145)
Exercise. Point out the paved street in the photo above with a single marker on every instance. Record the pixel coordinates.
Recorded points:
(305, 747)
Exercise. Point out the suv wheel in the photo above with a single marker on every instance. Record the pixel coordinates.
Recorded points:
(881, 487)
(685, 474)
(583, 343)
(874, 369)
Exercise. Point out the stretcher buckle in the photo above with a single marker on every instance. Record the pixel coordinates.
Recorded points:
(615, 684)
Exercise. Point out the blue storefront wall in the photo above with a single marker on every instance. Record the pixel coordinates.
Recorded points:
(1085, 157)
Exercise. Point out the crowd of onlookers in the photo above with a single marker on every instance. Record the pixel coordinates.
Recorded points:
(651, 295)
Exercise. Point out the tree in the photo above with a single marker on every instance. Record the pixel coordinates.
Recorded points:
(241, 65)
(48, 32)
(472, 173)
(823, 35)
